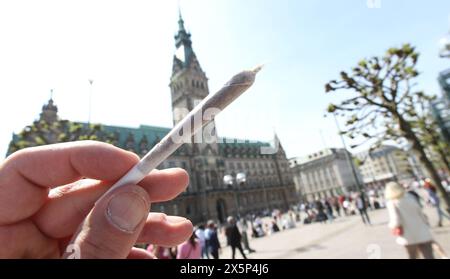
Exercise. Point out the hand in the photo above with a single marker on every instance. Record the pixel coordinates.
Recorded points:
(48, 209)
(398, 231)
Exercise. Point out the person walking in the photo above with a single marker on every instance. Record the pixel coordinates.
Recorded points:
(243, 226)
(437, 248)
(329, 210)
(407, 222)
(434, 200)
(321, 216)
(234, 237)
(337, 206)
(213, 244)
(361, 205)
(200, 233)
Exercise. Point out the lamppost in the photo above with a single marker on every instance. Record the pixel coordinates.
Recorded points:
(240, 180)
(348, 157)
(91, 81)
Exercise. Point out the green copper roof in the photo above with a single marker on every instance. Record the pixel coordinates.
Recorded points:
(137, 139)
(239, 147)
(153, 134)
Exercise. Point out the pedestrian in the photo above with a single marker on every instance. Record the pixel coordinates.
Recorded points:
(200, 233)
(321, 216)
(434, 200)
(292, 219)
(407, 222)
(346, 206)
(437, 248)
(213, 244)
(361, 205)
(329, 210)
(274, 227)
(190, 249)
(337, 206)
(234, 237)
(243, 229)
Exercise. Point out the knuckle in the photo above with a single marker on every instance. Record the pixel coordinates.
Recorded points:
(91, 248)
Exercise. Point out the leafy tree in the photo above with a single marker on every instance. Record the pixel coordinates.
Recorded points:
(384, 105)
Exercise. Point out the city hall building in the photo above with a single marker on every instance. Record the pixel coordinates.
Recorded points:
(268, 182)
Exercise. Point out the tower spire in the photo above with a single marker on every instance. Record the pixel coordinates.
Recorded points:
(180, 20)
(183, 44)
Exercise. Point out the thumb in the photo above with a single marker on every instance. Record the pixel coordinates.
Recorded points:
(113, 225)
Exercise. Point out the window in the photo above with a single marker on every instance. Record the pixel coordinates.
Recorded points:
(239, 166)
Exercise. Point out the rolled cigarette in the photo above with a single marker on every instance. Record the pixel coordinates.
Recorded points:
(161, 151)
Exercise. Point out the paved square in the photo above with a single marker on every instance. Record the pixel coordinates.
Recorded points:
(345, 238)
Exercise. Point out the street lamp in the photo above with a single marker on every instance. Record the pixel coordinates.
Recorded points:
(444, 46)
(240, 179)
(348, 157)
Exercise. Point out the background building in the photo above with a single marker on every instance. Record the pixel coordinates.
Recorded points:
(324, 174)
(268, 184)
(384, 164)
(441, 106)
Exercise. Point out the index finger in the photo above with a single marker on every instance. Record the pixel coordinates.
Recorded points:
(26, 175)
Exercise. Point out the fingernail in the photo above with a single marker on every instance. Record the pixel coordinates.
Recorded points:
(175, 219)
(126, 210)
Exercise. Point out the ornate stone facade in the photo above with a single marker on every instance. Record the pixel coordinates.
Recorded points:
(269, 183)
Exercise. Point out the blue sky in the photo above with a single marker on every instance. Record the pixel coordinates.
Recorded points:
(127, 48)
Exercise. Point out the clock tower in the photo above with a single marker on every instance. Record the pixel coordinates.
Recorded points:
(189, 86)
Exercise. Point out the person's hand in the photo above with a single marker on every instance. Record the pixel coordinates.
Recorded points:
(49, 210)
